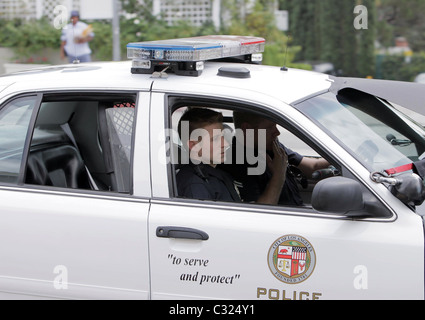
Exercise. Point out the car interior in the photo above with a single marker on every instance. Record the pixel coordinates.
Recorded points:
(179, 155)
(83, 142)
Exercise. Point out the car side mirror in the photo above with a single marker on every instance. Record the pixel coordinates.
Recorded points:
(340, 195)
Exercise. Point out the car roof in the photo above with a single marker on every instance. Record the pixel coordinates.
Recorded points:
(288, 86)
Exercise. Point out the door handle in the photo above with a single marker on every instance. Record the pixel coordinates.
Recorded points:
(181, 233)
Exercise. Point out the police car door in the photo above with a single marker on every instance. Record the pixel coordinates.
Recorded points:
(63, 236)
(205, 249)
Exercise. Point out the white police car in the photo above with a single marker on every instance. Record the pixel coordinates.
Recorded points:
(89, 207)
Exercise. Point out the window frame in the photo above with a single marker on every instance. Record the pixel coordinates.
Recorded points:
(27, 141)
(74, 95)
(176, 101)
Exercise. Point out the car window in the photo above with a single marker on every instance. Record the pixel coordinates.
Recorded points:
(293, 142)
(301, 178)
(83, 143)
(375, 133)
(301, 183)
(14, 122)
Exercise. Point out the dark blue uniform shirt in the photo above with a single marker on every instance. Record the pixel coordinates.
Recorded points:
(204, 182)
(252, 186)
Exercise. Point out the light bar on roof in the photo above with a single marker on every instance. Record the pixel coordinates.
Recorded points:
(182, 54)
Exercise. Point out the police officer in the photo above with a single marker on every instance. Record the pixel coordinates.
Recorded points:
(275, 184)
(201, 132)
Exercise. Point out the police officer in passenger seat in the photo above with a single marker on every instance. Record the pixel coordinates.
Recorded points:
(201, 132)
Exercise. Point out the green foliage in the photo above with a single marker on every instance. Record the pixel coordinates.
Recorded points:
(402, 18)
(325, 31)
(27, 38)
(397, 68)
(261, 23)
(101, 45)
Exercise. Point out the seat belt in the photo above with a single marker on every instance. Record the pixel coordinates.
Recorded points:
(400, 169)
(418, 167)
(67, 129)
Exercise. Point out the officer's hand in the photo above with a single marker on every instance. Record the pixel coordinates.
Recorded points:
(279, 163)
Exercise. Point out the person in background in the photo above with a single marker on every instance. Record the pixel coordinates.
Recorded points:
(75, 40)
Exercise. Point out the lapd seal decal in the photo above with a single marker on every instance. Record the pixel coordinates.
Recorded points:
(291, 259)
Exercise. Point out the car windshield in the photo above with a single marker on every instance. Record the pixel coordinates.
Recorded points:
(376, 133)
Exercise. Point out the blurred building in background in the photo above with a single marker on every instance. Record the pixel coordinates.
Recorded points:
(34, 9)
(197, 12)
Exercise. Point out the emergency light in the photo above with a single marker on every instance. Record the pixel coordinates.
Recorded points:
(186, 56)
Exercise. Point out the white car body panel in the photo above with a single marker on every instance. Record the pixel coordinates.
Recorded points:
(342, 248)
(69, 246)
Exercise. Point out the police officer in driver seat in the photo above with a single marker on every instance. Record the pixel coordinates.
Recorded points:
(275, 184)
(201, 132)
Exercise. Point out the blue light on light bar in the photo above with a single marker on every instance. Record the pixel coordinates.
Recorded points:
(152, 54)
(196, 48)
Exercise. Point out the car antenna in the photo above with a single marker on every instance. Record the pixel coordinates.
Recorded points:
(285, 68)
(76, 60)
(160, 74)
